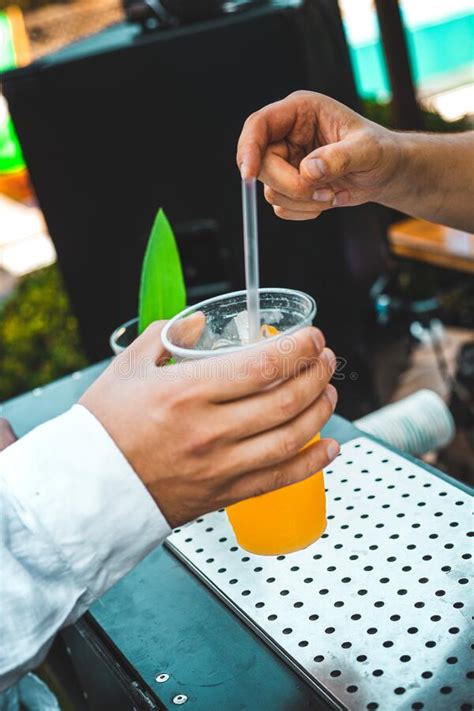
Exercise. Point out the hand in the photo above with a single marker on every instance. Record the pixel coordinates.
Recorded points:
(313, 153)
(205, 434)
(7, 435)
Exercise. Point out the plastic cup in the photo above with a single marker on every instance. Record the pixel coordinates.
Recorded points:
(123, 336)
(293, 517)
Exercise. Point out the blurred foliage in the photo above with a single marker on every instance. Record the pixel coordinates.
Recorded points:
(382, 113)
(39, 336)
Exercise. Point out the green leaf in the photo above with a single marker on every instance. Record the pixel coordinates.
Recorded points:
(162, 290)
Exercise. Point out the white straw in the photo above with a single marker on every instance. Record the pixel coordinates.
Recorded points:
(249, 210)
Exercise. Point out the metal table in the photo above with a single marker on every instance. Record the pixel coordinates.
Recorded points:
(165, 636)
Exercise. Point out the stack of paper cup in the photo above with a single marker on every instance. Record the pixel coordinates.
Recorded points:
(417, 424)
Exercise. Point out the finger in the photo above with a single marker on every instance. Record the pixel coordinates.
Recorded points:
(295, 215)
(7, 435)
(284, 178)
(235, 375)
(186, 332)
(307, 462)
(323, 201)
(283, 442)
(268, 125)
(335, 160)
(271, 408)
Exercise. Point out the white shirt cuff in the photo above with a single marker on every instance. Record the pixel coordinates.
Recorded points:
(81, 492)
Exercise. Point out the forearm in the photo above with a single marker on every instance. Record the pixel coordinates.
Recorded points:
(75, 519)
(434, 178)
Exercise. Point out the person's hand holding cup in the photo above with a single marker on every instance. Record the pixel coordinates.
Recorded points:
(201, 437)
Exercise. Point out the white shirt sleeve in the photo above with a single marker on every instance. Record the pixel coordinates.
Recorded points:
(75, 518)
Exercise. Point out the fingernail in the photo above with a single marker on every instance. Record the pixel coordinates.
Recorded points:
(316, 168)
(186, 332)
(332, 450)
(244, 172)
(323, 195)
(318, 338)
(331, 394)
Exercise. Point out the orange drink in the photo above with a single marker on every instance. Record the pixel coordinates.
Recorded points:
(283, 521)
(293, 517)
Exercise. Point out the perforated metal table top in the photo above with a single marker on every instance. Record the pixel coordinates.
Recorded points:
(374, 615)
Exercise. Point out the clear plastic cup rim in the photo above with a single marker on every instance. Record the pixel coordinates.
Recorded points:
(195, 353)
(119, 332)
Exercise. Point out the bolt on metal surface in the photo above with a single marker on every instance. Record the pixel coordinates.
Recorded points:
(180, 699)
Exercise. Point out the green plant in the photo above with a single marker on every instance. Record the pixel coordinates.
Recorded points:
(39, 335)
(382, 113)
(162, 290)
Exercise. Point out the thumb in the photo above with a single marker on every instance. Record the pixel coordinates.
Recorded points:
(186, 332)
(335, 160)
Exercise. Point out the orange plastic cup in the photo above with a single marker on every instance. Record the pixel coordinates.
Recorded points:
(293, 517)
(283, 521)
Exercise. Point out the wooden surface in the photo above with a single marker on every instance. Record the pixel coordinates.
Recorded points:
(427, 242)
(20, 38)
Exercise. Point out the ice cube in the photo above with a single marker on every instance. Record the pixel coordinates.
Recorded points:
(242, 324)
